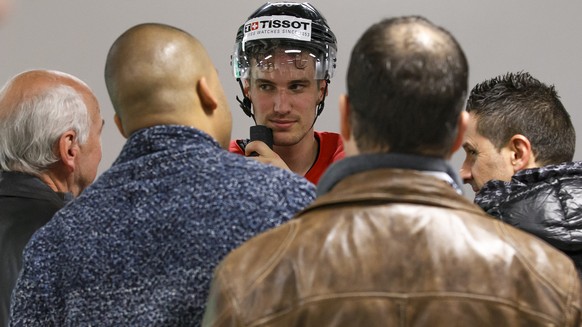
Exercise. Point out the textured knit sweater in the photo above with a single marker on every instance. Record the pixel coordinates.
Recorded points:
(139, 246)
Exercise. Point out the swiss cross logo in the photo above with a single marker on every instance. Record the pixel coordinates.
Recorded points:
(252, 26)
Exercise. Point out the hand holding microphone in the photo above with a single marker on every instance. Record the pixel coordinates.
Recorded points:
(262, 153)
(261, 133)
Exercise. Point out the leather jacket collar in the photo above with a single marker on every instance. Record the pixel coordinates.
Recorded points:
(437, 167)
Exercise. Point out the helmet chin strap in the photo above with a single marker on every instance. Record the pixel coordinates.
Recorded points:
(245, 103)
(320, 106)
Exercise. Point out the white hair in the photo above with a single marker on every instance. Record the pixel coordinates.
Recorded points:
(30, 131)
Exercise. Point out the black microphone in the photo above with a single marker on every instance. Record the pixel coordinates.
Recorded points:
(261, 133)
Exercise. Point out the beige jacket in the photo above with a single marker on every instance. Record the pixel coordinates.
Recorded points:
(392, 247)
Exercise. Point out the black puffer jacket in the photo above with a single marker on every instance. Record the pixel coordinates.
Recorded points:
(546, 202)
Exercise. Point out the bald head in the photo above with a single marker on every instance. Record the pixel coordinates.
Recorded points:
(153, 73)
(418, 37)
(407, 82)
(27, 85)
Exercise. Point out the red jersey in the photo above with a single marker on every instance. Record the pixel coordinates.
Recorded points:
(331, 149)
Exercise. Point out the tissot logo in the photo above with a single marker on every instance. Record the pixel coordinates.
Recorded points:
(280, 27)
(277, 23)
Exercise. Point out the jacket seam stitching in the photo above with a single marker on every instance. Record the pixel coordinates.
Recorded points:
(453, 295)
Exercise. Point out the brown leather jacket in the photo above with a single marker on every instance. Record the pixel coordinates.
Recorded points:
(393, 247)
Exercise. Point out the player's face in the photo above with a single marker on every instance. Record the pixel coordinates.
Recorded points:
(285, 94)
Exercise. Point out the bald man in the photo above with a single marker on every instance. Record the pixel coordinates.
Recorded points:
(139, 247)
(50, 148)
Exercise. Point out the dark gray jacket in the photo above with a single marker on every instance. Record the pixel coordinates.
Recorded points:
(26, 204)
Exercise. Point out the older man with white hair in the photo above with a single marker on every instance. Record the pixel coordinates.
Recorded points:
(50, 148)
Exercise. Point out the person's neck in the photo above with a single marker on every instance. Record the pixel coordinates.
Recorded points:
(301, 156)
(59, 185)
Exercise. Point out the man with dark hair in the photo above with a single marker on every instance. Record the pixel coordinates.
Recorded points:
(519, 145)
(390, 241)
(139, 247)
(284, 59)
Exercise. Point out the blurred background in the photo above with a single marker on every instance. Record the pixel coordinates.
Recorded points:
(498, 36)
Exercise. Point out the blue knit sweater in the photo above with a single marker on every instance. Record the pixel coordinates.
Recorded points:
(139, 246)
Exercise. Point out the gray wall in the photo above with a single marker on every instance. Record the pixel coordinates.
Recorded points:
(498, 36)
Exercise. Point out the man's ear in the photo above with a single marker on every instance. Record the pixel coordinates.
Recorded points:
(68, 149)
(119, 125)
(462, 124)
(345, 112)
(207, 98)
(323, 89)
(521, 153)
(246, 87)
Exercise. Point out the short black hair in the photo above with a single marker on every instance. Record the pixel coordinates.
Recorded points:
(518, 103)
(407, 82)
